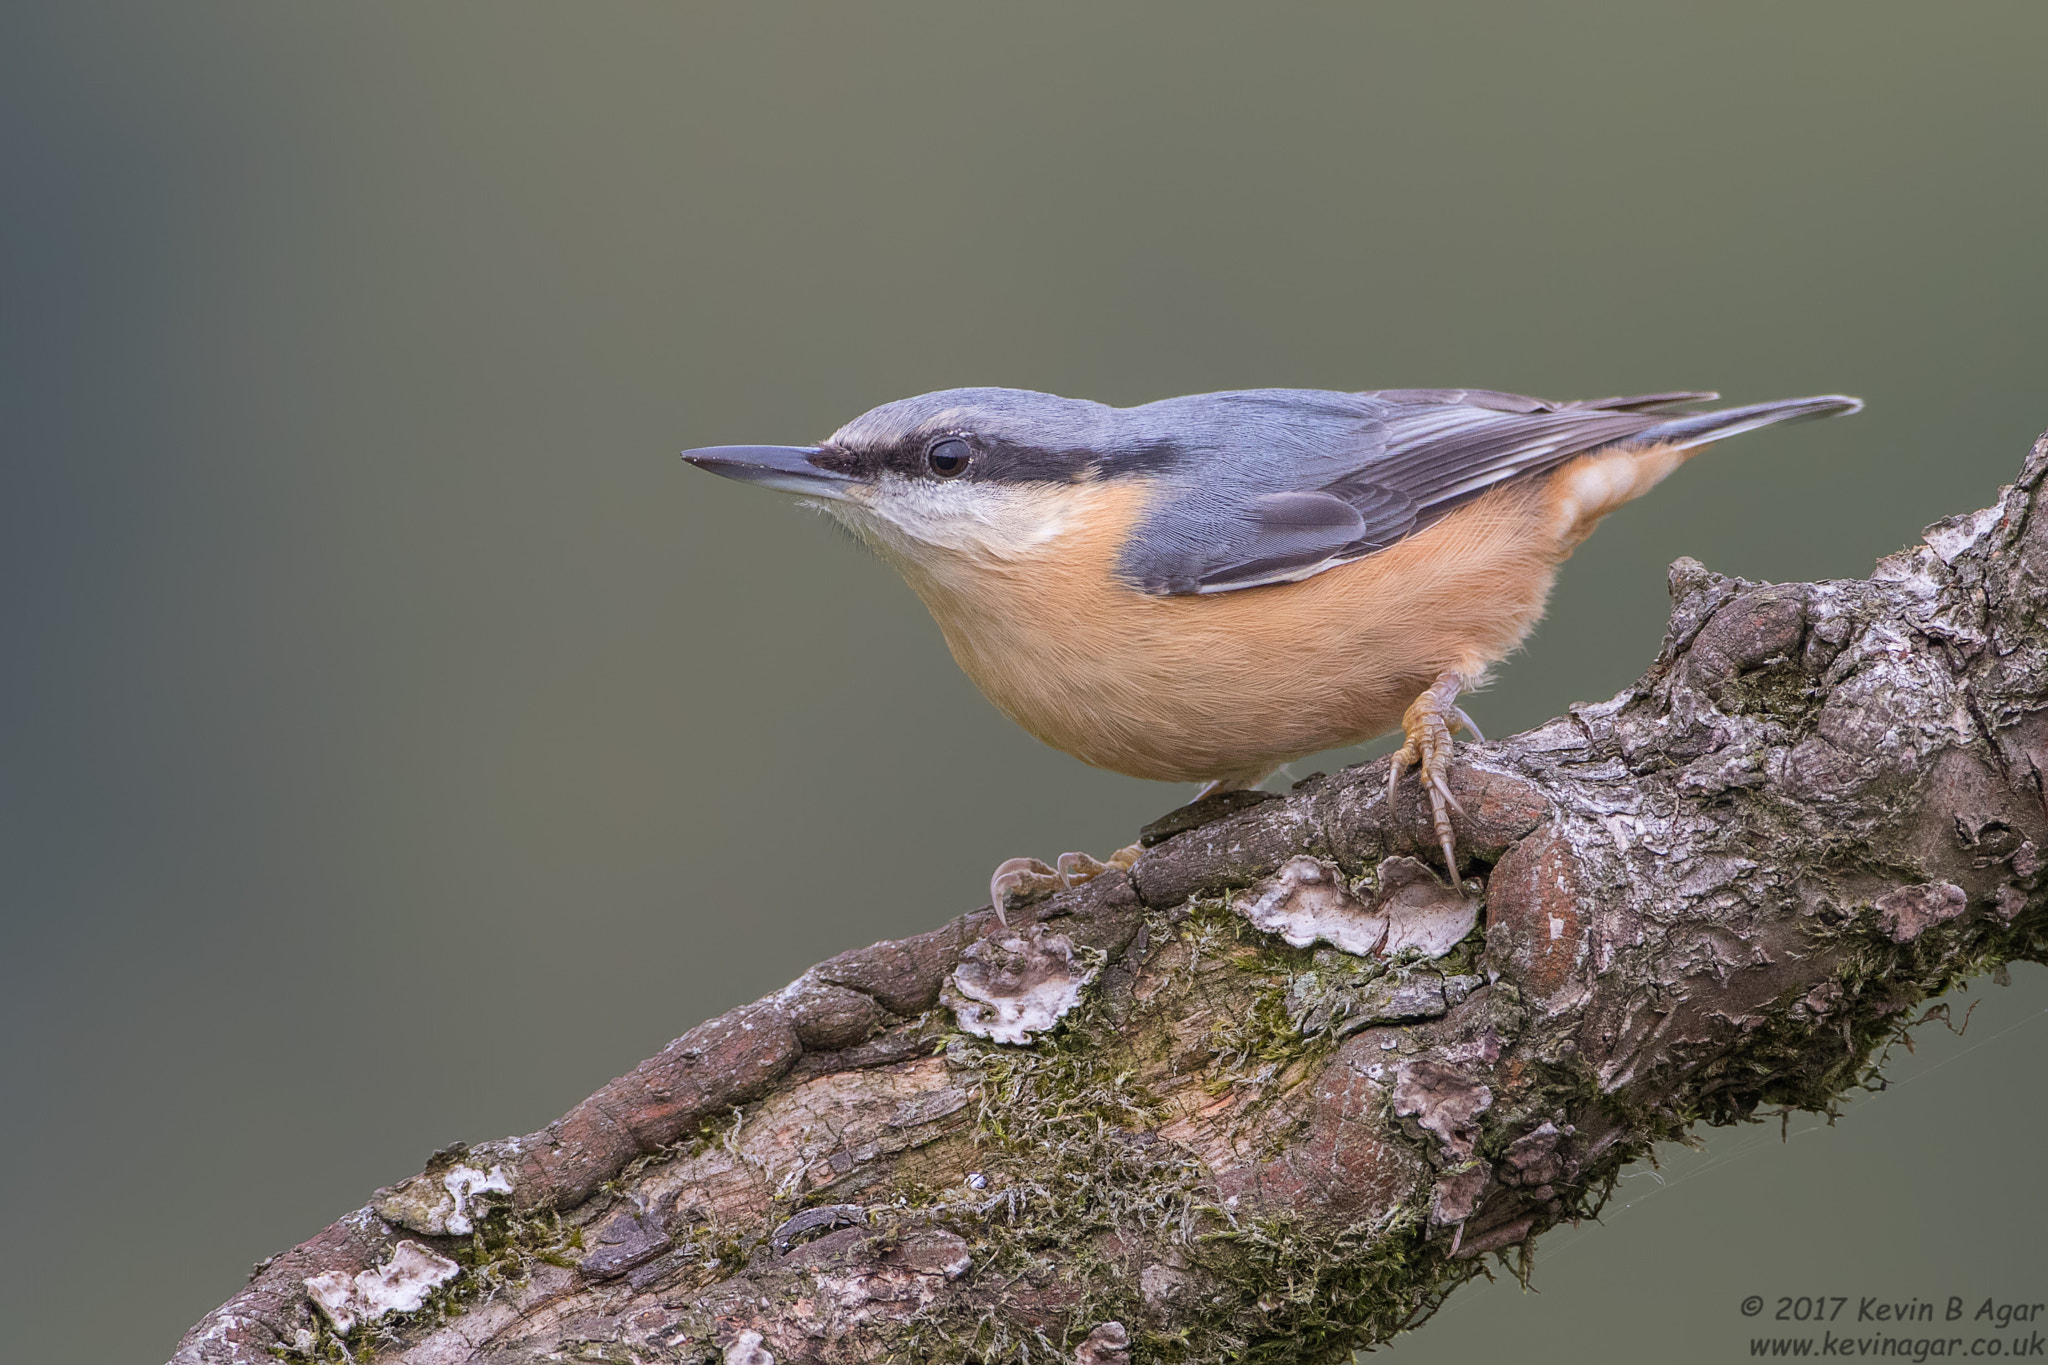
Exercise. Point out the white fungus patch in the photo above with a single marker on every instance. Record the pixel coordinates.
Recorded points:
(465, 1183)
(746, 1349)
(1307, 901)
(400, 1285)
(1422, 913)
(1018, 983)
(443, 1207)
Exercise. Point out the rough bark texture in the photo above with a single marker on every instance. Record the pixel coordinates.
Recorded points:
(1717, 896)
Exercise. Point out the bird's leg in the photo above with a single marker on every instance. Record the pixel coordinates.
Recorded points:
(1428, 725)
(1020, 881)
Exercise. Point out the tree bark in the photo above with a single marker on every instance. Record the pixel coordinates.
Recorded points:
(1140, 1124)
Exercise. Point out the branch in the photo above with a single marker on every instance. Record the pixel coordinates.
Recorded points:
(1142, 1124)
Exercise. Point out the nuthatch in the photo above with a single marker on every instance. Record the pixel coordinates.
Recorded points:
(1205, 588)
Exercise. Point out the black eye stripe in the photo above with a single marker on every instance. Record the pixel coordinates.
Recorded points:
(948, 458)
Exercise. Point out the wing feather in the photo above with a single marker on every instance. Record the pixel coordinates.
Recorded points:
(1293, 534)
(1290, 499)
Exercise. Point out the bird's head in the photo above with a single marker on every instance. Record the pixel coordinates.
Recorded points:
(976, 474)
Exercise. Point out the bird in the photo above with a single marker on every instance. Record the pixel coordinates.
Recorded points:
(1206, 588)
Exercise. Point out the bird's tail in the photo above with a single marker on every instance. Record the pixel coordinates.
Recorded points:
(1595, 484)
(1699, 428)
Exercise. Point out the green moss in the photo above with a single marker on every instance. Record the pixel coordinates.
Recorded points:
(1303, 1292)
(1298, 999)
(1076, 1182)
(1063, 1127)
(1256, 1047)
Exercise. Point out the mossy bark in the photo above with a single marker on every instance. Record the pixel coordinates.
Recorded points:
(1716, 897)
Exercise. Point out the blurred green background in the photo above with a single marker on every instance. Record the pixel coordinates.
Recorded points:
(399, 741)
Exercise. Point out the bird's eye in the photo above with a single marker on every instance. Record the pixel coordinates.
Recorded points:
(948, 458)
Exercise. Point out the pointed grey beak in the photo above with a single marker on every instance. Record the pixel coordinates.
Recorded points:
(786, 469)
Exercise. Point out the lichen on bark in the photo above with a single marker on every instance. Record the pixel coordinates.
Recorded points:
(1715, 897)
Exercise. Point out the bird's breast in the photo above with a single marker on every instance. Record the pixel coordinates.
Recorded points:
(1232, 684)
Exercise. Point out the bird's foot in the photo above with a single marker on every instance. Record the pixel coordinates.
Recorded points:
(1428, 726)
(1020, 881)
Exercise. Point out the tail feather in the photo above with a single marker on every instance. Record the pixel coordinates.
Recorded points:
(1642, 402)
(1699, 428)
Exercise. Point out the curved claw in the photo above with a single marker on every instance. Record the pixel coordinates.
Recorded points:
(1428, 725)
(1020, 881)
(1075, 868)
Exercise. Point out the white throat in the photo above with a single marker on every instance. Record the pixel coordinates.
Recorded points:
(910, 519)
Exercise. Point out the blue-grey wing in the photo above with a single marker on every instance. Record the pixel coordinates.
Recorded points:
(1284, 536)
(1276, 502)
